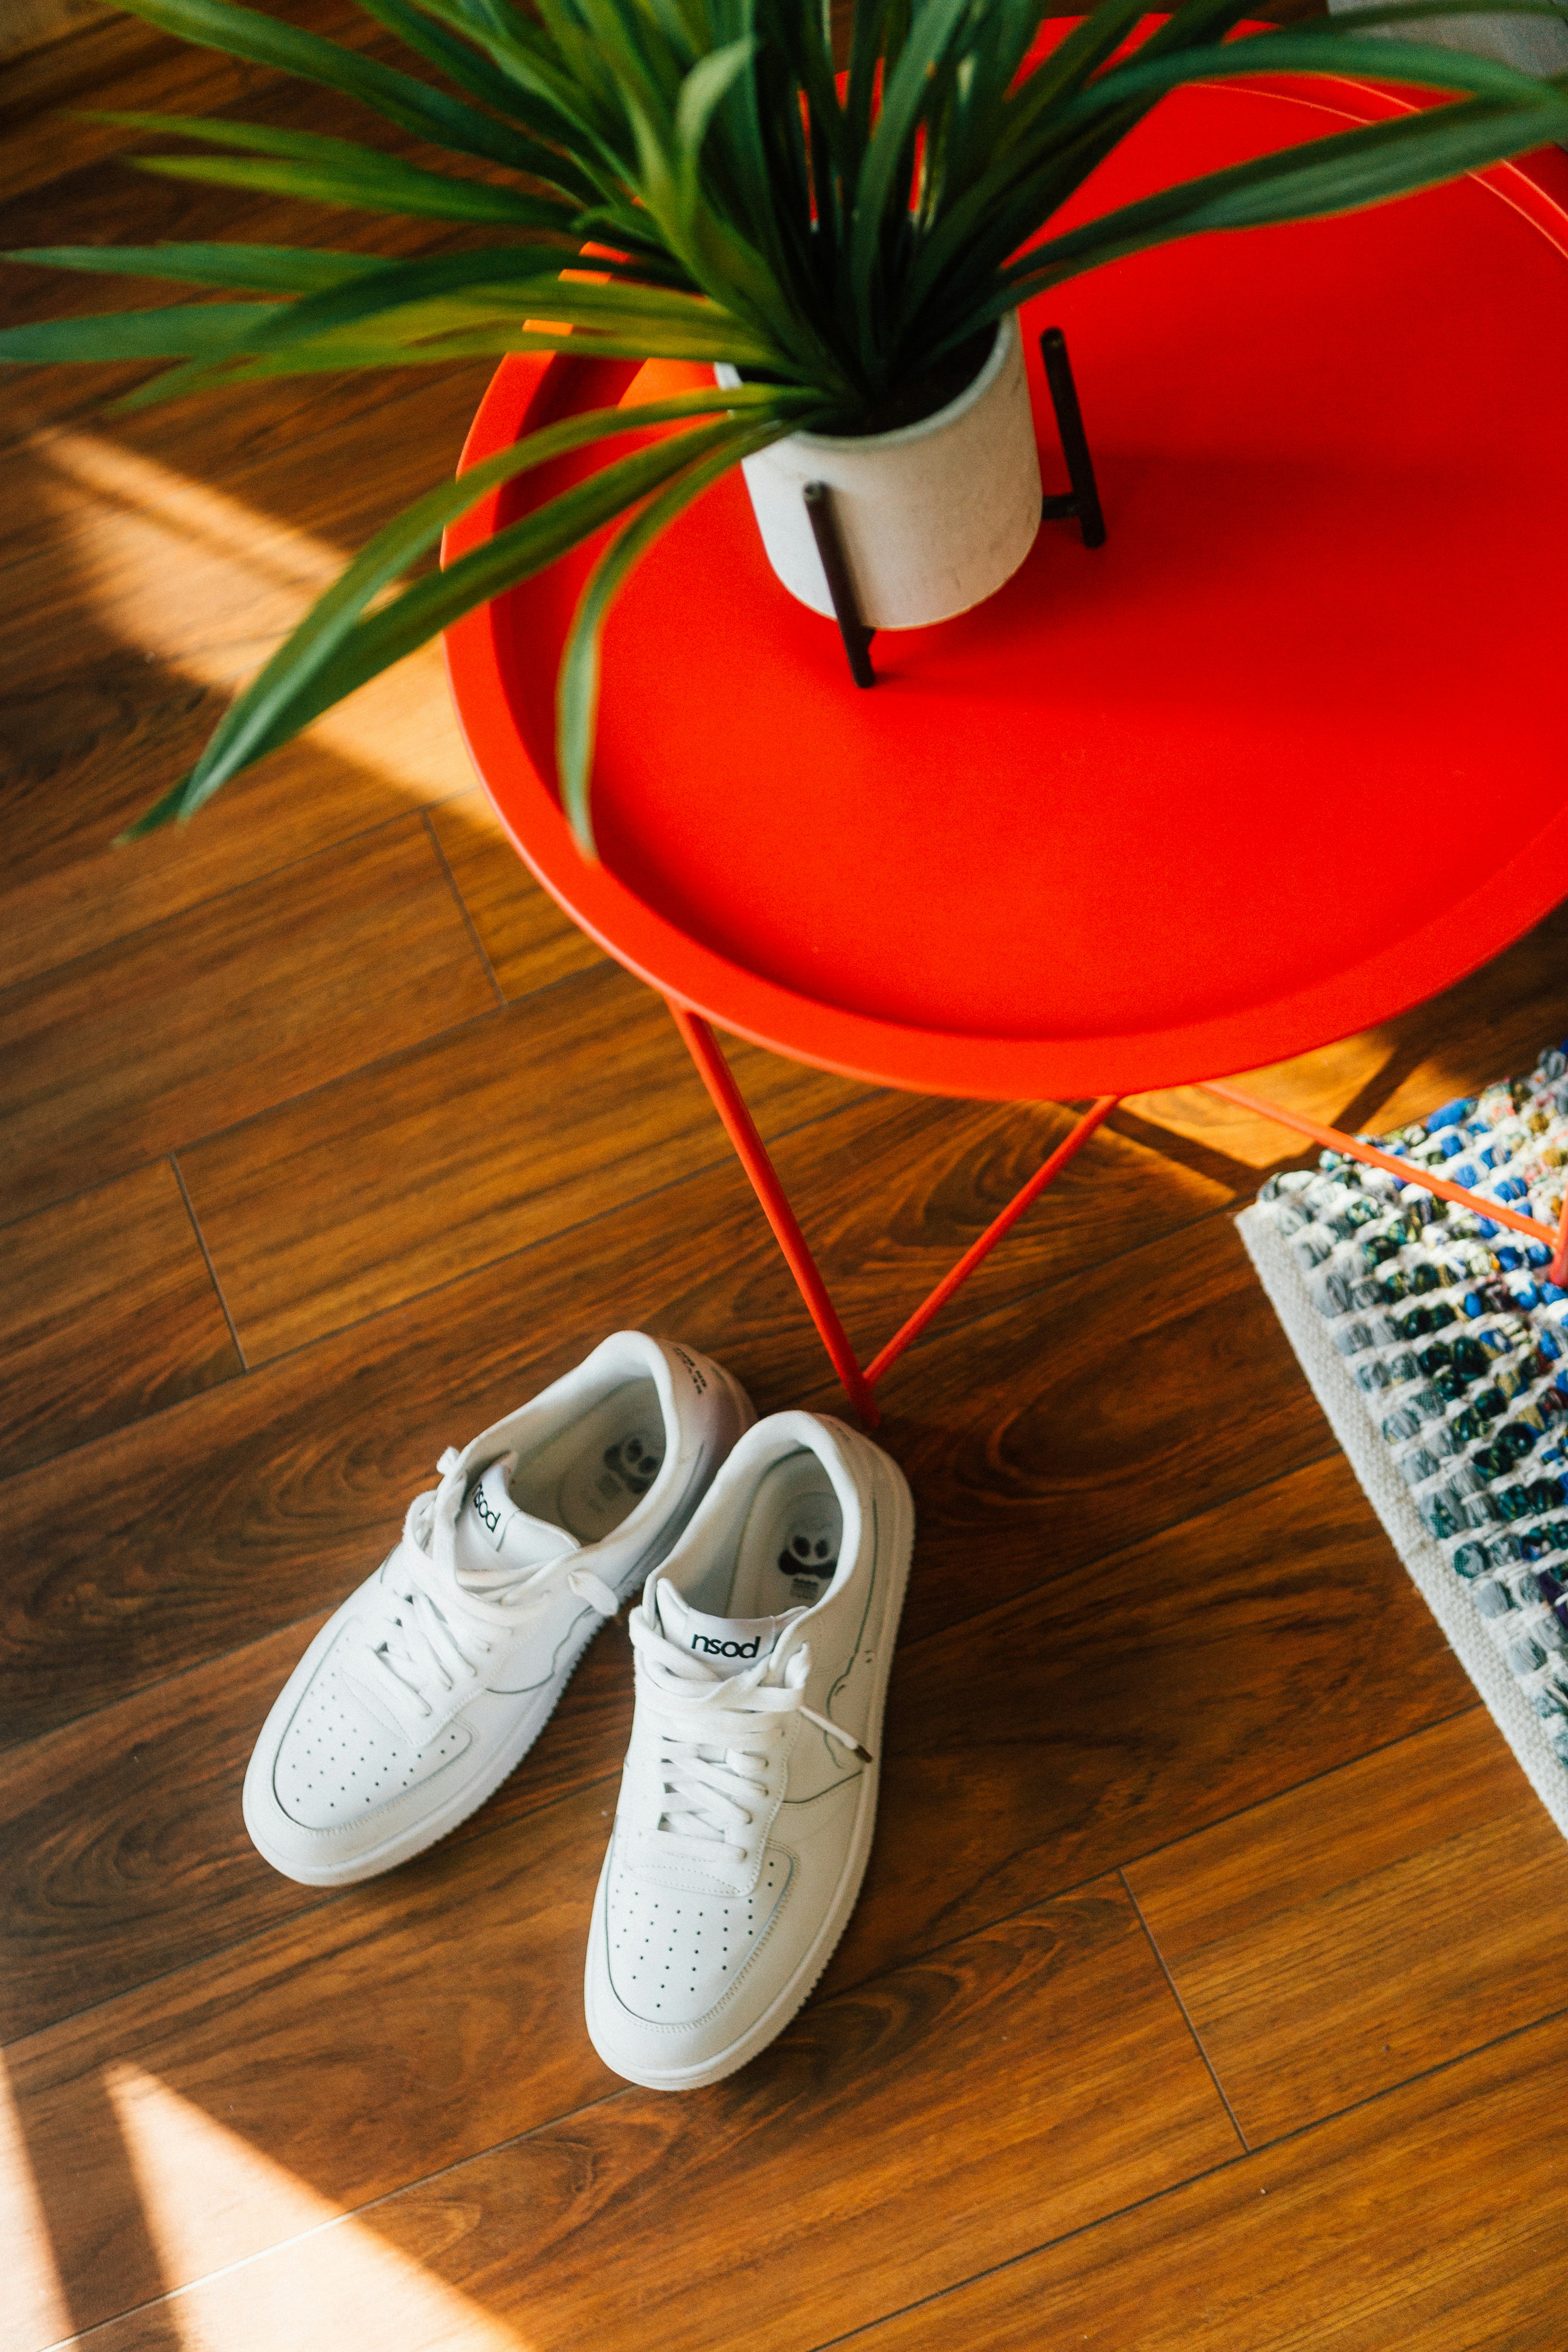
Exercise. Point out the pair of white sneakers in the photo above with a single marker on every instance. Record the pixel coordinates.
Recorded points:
(776, 1555)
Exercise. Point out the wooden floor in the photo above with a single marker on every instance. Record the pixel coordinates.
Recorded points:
(1208, 1991)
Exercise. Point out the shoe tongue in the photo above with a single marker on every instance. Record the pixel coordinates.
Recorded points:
(726, 1644)
(493, 1533)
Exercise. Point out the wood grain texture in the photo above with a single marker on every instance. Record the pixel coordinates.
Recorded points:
(893, 2140)
(33, 24)
(1024, 1753)
(1078, 1420)
(76, 767)
(421, 1168)
(1037, 1744)
(258, 1505)
(530, 942)
(109, 1312)
(150, 71)
(1153, 1624)
(172, 543)
(226, 1009)
(1352, 1933)
(397, 2028)
(123, 1847)
(891, 1198)
(308, 1212)
(262, 1502)
(1430, 2219)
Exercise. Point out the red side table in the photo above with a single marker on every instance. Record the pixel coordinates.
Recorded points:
(1284, 757)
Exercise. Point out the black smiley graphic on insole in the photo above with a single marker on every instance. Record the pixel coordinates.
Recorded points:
(805, 1555)
(633, 1462)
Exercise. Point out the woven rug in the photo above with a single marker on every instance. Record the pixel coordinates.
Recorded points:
(1436, 1348)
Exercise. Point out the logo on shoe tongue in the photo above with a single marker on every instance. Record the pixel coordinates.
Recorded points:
(489, 1512)
(711, 1646)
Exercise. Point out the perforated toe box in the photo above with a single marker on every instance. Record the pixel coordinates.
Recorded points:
(673, 1957)
(337, 1766)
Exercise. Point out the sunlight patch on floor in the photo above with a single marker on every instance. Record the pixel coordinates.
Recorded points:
(204, 584)
(334, 2281)
(33, 2304)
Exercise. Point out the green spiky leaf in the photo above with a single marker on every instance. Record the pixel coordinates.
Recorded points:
(694, 180)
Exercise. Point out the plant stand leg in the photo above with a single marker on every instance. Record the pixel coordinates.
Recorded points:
(1083, 498)
(730, 1103)
(856, 637)
(1500, 1212)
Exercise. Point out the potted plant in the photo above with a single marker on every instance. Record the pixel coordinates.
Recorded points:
(844, 236)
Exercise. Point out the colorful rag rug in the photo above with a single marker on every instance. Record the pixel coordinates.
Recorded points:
(1439, 1351)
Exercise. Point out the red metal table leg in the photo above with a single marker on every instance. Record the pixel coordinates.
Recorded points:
(992, 1235)
(1351, 1145)
(730, 1105)
(859, 1383)
(1558, 1270)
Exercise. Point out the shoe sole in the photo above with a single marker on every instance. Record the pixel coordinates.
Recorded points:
(430, 1831)
(892, 1486)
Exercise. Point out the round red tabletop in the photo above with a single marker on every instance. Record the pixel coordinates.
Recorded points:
(1283, 757)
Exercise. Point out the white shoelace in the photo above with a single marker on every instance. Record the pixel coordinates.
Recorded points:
(436, 1621)
(719, 1738)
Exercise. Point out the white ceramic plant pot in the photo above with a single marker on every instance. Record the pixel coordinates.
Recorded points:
(932, 518)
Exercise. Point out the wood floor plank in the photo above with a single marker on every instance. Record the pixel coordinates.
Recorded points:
(405, 2025)
(1490, 1025)
(109, 1312)
(85, 768)
(153, 72)
(1430, 2219)
(890, 1200)
(186, 539)
(147, 72)
(1152, 1616)
(1076, 1420)
(416, 1170)
(1040, 1743)
(252, 1508)
(229, 1007)
(892, 2141)
(529, 940)
(1046, 1741)
(1351, 1933)
(122, 1844)
(123, 1847)
(264, 1501)
(136, 1601)
(408, 1175)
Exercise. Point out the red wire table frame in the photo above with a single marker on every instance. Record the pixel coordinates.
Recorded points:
(1120, 880)
(859, 1380)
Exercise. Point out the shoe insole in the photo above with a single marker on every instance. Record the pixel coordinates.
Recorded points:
(592, 1476)
(788, 1552)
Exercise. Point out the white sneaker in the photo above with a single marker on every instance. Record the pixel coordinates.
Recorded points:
(750, 1793)
(434, 1680)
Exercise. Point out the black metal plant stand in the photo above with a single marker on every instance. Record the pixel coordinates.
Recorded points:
(856, 637)
(1081, 503)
